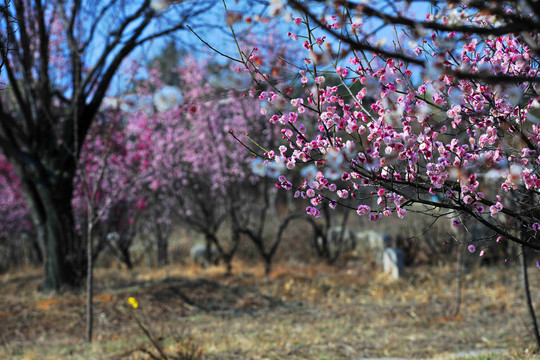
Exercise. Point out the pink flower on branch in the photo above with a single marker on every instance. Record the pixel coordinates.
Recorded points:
(444, 135)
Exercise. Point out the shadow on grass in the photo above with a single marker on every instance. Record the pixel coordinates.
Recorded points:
(196, 294)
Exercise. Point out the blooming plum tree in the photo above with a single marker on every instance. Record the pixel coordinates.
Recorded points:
(112, 177)
(107, 193)
(196, 161)
(447, 117)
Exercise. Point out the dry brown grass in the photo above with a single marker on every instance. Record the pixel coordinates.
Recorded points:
(299, 312)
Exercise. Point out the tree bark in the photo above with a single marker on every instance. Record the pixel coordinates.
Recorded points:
(162, 247)
(459, 278)
(65, 264)
(267, 265)
(530, 306)
(89, 282)
(228, 265)
(163, 252)
(49, 199)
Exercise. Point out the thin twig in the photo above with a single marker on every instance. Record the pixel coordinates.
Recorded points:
(211, 47)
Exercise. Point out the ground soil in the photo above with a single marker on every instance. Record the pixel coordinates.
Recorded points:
(298, 312)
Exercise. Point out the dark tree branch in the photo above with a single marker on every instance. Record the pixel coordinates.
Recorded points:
(92, 77)
(354, 45)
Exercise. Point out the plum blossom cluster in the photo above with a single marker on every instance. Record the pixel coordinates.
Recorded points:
(404, 134)
(197, 168)
(115, 166)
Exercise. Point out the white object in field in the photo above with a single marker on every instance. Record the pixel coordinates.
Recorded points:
(200, 255)
(336, 243)
(393, 262)
(374, 242)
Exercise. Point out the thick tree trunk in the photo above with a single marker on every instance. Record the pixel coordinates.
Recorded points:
(38, 253)
(64, 262)
(50, 205)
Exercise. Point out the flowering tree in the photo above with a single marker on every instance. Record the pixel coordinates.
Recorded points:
(447, 117)
(195, 160)
(447, 114)
(63, 56)
(107, 191)
(111, 182)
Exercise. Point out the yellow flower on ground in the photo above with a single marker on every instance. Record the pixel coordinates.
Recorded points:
(133, 302)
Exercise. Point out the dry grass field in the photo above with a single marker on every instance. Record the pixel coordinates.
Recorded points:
(299, 312)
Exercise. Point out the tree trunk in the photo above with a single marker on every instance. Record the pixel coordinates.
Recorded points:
(162, 252)
(162, 248)
(89, 282)
(528, 298)
(228, 265)
(209, 241)
(459, 279)
(64, 261)
(37, 253)
(125, 255)
(267, 265)
(49, 201)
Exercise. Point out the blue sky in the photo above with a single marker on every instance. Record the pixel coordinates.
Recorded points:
(211, 27)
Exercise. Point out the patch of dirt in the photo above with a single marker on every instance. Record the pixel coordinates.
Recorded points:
(299, 312)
